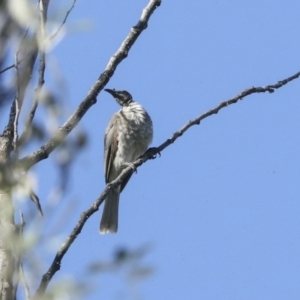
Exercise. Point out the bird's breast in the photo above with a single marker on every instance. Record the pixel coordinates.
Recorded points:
(135, 134)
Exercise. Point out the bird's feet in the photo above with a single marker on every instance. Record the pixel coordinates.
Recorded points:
(131, 165)
(152, 152)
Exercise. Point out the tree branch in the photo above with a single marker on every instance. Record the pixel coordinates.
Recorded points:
(150, 154)
(253, 90)
(91, 98)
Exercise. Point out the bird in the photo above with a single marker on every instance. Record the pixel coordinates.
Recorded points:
(128, 135)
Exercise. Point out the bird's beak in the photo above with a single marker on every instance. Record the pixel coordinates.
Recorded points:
(113, 92)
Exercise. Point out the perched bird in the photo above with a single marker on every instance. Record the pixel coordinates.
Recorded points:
(127, 137)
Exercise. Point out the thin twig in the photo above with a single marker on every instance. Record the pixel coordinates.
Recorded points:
(269, 88)
(8, 68)
(91, 98)
(63, 22)
(14, 65)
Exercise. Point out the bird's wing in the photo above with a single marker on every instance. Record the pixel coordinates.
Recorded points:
(110, 145)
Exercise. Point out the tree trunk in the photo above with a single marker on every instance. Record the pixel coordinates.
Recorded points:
(7, 225)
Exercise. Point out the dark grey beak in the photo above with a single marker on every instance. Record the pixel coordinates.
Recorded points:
(122, 97)
(113, 92)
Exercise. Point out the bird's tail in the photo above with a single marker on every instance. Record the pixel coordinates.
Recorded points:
(109, 220)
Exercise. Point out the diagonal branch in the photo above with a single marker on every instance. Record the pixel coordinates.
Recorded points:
(253, 90)
(150, 154)
(91, 98)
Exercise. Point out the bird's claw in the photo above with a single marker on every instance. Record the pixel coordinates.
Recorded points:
(131, 165)
(152, 152)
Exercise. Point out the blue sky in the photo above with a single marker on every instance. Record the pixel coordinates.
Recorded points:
(219, 210)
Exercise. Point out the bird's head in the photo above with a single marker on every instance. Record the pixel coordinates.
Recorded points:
(122, 97)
